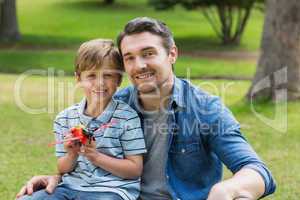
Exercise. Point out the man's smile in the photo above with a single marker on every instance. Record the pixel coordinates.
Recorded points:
(144, 76)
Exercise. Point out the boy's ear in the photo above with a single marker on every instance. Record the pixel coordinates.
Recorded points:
(120, 79)
(77, 77)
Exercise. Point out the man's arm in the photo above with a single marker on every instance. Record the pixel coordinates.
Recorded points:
(251, 179)
(246, 184)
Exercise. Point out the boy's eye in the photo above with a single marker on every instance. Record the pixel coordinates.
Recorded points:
(91, 76)
(107, 75)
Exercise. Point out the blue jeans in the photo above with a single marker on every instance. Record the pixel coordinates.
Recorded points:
(63, 193)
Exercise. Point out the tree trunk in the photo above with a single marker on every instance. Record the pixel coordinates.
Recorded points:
(9, 30)
(233, 20)
(278, 70)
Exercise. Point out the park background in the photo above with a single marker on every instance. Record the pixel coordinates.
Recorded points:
(52, 30)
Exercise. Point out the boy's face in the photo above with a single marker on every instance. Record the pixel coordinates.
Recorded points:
(99, 85)
(146, 61)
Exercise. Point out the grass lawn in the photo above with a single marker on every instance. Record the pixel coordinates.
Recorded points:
(65, 23)
(25, 136)
(53, 29)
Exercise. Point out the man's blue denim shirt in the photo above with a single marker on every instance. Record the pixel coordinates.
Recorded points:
(203, 134)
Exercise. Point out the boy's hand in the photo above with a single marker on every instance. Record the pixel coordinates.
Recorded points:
(89, 151)
(72, 147)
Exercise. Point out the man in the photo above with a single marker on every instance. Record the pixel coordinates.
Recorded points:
(188, 132)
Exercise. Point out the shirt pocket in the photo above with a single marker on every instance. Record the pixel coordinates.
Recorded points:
(187, 159)
(185, 148)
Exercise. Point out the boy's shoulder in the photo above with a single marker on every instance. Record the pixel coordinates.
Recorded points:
(123, 110)
(71, 112)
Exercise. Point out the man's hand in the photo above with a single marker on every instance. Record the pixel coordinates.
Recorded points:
(38, 183)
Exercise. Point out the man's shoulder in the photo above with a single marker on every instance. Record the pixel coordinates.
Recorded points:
(124, 94)
(194, 92)
(203, 105)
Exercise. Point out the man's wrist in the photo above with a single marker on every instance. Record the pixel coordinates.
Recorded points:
(231, 189)
(224, 188)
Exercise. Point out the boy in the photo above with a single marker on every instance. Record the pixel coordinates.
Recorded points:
(108, 168)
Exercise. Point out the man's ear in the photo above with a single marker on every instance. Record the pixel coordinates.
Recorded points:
(173, 53)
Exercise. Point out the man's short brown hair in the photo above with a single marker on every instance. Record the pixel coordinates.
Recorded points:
(93, 53)
(151, 25)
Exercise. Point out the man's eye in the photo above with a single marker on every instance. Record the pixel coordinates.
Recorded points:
(128, 58)
(148, 53)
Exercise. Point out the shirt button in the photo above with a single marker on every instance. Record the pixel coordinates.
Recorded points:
(182, 150)
(167, 177)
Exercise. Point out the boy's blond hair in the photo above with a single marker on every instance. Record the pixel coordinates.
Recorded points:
(91, 55)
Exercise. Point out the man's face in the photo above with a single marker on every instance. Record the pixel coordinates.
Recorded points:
(147, 62)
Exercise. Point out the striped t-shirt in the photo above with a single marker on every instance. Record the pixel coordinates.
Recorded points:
(117, 132)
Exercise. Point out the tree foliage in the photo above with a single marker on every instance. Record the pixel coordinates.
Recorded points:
(228, 18)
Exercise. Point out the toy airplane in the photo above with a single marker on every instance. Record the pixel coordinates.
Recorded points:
(82, 134)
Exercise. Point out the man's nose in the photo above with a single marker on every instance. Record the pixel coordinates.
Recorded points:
(140, 63)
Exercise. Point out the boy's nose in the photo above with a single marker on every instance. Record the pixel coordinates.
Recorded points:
(100, 82)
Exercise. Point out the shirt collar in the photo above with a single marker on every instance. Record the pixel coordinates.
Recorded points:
(104, 117)
(177, 96)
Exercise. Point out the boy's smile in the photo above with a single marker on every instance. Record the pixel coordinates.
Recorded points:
(99, 85)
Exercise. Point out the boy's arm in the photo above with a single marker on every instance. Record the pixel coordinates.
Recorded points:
(67, 163)
(128, 168)
(133, 147)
